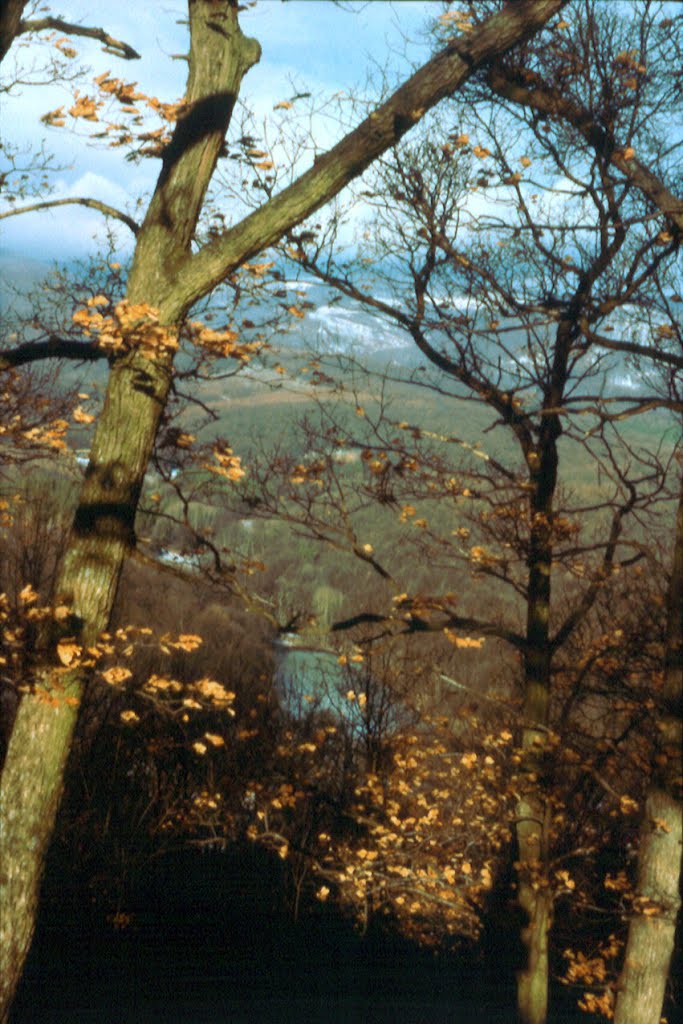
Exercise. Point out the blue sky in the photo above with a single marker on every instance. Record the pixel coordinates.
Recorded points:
(308, 45)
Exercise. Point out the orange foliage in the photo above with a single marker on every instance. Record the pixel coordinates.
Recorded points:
(431, 825)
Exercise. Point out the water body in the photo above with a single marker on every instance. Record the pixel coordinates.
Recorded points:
(309, 679)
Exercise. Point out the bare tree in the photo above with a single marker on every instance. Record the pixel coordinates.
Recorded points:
(552, 304)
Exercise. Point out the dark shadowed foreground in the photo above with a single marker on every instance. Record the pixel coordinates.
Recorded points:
(208, 941)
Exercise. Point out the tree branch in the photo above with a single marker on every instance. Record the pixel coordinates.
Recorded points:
(416, 624)
(437, 79)
(501, 401)
(111, 45)
(53, 348)
(93, 204)
(589, 597)
(545, 100)
(647, 351)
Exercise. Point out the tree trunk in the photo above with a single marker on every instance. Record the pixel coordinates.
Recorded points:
(641, 988)
(532, 982)
(534, 892)
(532, 815)
(652, 929)
(28, 804)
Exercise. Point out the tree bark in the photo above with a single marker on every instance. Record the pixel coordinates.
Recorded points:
(164, 275)
(652, 930)
(534, 893)
(10, 22)
(28, 806)
(532, 824)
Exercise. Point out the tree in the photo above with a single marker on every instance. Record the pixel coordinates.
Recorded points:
(517, 305)
(652, 929)
(166, 279)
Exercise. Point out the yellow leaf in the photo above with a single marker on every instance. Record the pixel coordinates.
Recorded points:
(117, 674)
(525, 161)
(68, 651)
(258, 269)
(188, 642)
(81, 416)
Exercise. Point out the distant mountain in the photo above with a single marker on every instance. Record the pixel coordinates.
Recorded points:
(19, 274)
(336, 325)
(331, 325)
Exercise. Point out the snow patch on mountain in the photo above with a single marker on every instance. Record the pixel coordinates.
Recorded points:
(340, 329)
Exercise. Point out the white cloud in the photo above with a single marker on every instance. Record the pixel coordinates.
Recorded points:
(314, 46)
(68, 231)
